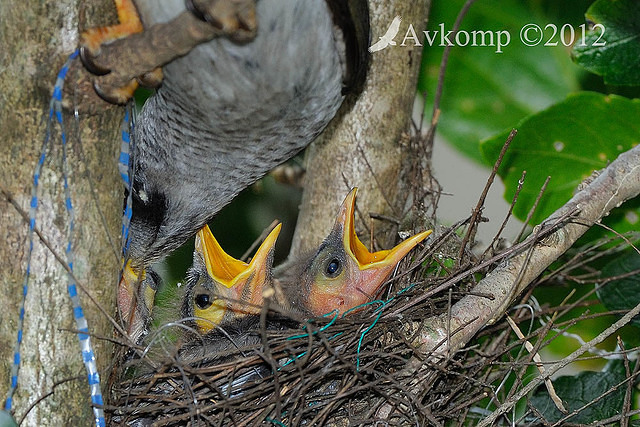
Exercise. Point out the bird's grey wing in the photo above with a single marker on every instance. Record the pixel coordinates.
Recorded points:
(228, 113)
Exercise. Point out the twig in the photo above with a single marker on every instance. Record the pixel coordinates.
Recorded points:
(533, 209)
(508, 216)
(475, 213)
(559, 365)
(380, 185)
(49, 393)
(260, 239)
(381, 217)
(536, 358)
(61, 261)
(441, 72)
(562, 421)
(516, 249)
(626, 406)
(619, 182)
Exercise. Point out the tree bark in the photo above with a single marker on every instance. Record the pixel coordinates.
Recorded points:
(366, 145)
(36, 38)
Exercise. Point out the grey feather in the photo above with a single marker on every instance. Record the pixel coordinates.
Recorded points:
(227, 113)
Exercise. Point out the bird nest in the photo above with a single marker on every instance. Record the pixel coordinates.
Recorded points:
(352, 369)
(285, 371)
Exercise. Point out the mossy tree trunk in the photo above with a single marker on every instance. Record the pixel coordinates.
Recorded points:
(36, 38)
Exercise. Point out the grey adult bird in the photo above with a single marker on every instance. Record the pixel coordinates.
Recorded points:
(227, 113)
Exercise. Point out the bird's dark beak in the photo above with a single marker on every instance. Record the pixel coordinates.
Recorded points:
(243, 282)
(367, 270)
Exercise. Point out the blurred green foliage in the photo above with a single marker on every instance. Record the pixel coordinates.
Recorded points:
(579, 390)
(484, 91)
(565, 133)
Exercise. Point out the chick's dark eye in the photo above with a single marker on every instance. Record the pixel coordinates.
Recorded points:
(333, 268)
(203, 301)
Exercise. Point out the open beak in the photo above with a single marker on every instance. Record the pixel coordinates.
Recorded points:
(364, 272)
(240, 283)
(382, 261)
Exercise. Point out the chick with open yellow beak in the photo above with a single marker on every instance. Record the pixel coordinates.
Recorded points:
(220, 288)
(343, 274)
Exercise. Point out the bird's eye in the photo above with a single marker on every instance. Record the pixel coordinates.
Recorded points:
(203, 301)
(334, 267)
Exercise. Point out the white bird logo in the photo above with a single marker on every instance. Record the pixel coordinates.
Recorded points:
(388, 37)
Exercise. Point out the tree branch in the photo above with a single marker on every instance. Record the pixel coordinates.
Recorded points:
(612, 186)
(505, 407)
(597, 196)
(38, 38)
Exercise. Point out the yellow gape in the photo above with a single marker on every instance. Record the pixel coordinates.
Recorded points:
(228, 287)
(344, 274)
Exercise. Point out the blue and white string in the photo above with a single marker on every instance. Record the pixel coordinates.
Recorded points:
(88, 355)
(125, 167)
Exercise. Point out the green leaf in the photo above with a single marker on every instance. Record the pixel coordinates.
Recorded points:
(567, 142)
(611, 48)
(622, 294)
(576, 391)
(486, 91)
